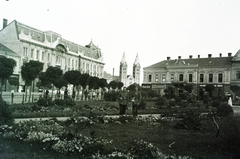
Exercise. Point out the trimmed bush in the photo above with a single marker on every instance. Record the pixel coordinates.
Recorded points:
(65, 102)
(224, 110)
(6, 116)
(45, 102)
(161, 102)
(142, 104)
(191, 121)
(216, 103)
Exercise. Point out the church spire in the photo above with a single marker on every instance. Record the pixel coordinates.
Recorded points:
(136, 60)
(124, 58)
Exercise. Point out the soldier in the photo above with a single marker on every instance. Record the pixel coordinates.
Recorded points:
(136, 100)
(123, 100)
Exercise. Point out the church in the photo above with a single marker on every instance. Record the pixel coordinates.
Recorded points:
(123, 69)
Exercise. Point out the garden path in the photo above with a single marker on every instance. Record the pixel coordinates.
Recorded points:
(236, 109)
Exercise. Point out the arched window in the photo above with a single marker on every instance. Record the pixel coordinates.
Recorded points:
(156, 77)
(149, 78)
(163, 77)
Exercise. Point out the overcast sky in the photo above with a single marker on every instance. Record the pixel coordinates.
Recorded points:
(154, 29)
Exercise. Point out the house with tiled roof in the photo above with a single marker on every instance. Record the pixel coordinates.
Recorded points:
(198, 72)
(51, 48)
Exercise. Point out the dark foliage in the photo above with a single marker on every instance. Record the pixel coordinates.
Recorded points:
(45, 102)
(191, 121)
(224, 110)
(5, 113)
(65, 102)
(161, 102)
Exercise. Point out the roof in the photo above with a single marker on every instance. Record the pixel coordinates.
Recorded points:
(6, 51)
(199, 62)
(34, 35)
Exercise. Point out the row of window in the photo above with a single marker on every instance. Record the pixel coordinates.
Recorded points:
(25, 53)
(190, 78)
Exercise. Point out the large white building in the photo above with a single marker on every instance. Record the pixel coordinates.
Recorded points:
(50, 48)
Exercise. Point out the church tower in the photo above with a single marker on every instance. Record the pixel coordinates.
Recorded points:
(123, 70)
(136, 70)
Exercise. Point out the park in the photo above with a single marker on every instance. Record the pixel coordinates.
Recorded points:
(51, 124)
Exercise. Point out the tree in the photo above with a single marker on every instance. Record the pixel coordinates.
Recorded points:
(84, 80)
(30, 71)
(119, 85)
(209, 88)
(102, 83)
(73, 77)
(43, 81)
(52, 74)
(112, 84)
(6, 69)
(93, 83)
(13, 81)
(59, 83)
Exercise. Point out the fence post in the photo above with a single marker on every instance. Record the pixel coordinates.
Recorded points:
(32, 98)
(12, 96)
(23, 99)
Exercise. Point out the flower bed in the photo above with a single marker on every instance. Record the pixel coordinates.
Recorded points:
(66, 137)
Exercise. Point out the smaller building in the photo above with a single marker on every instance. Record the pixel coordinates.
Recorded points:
(218, 72)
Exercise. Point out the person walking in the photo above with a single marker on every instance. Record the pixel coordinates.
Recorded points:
(123, 99)
(136, 100)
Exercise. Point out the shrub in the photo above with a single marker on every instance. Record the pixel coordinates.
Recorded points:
(191, 121)
(65, 102)
(6, 116)
(142, 104)
(224, 110)
(70, 102)
(172, 103)
(184, 104)
(110, 96)
(60, 102)
(161, 102)
(45, 102)
(178, 100)
(216, 103)
(36, 108)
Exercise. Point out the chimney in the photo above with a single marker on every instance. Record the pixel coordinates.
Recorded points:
(209, 55)
(168, 58)
(179, 57)
(5, 23)
(113, 72)
(198, 56)
(229, 54)
(220, 54)
(190, 56)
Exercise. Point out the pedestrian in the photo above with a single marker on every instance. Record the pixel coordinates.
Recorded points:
(123, 99)
(46, 93)
(136, 100)
(66, 94)
(86, 93)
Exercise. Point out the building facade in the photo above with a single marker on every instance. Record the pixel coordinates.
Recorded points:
(124, 77)
(220, 72)
(50, 48)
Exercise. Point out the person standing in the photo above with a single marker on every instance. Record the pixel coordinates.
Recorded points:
(136, 100)
(86, 93)
(123, 100)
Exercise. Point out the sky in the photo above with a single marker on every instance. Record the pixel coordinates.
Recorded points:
(153, 29)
